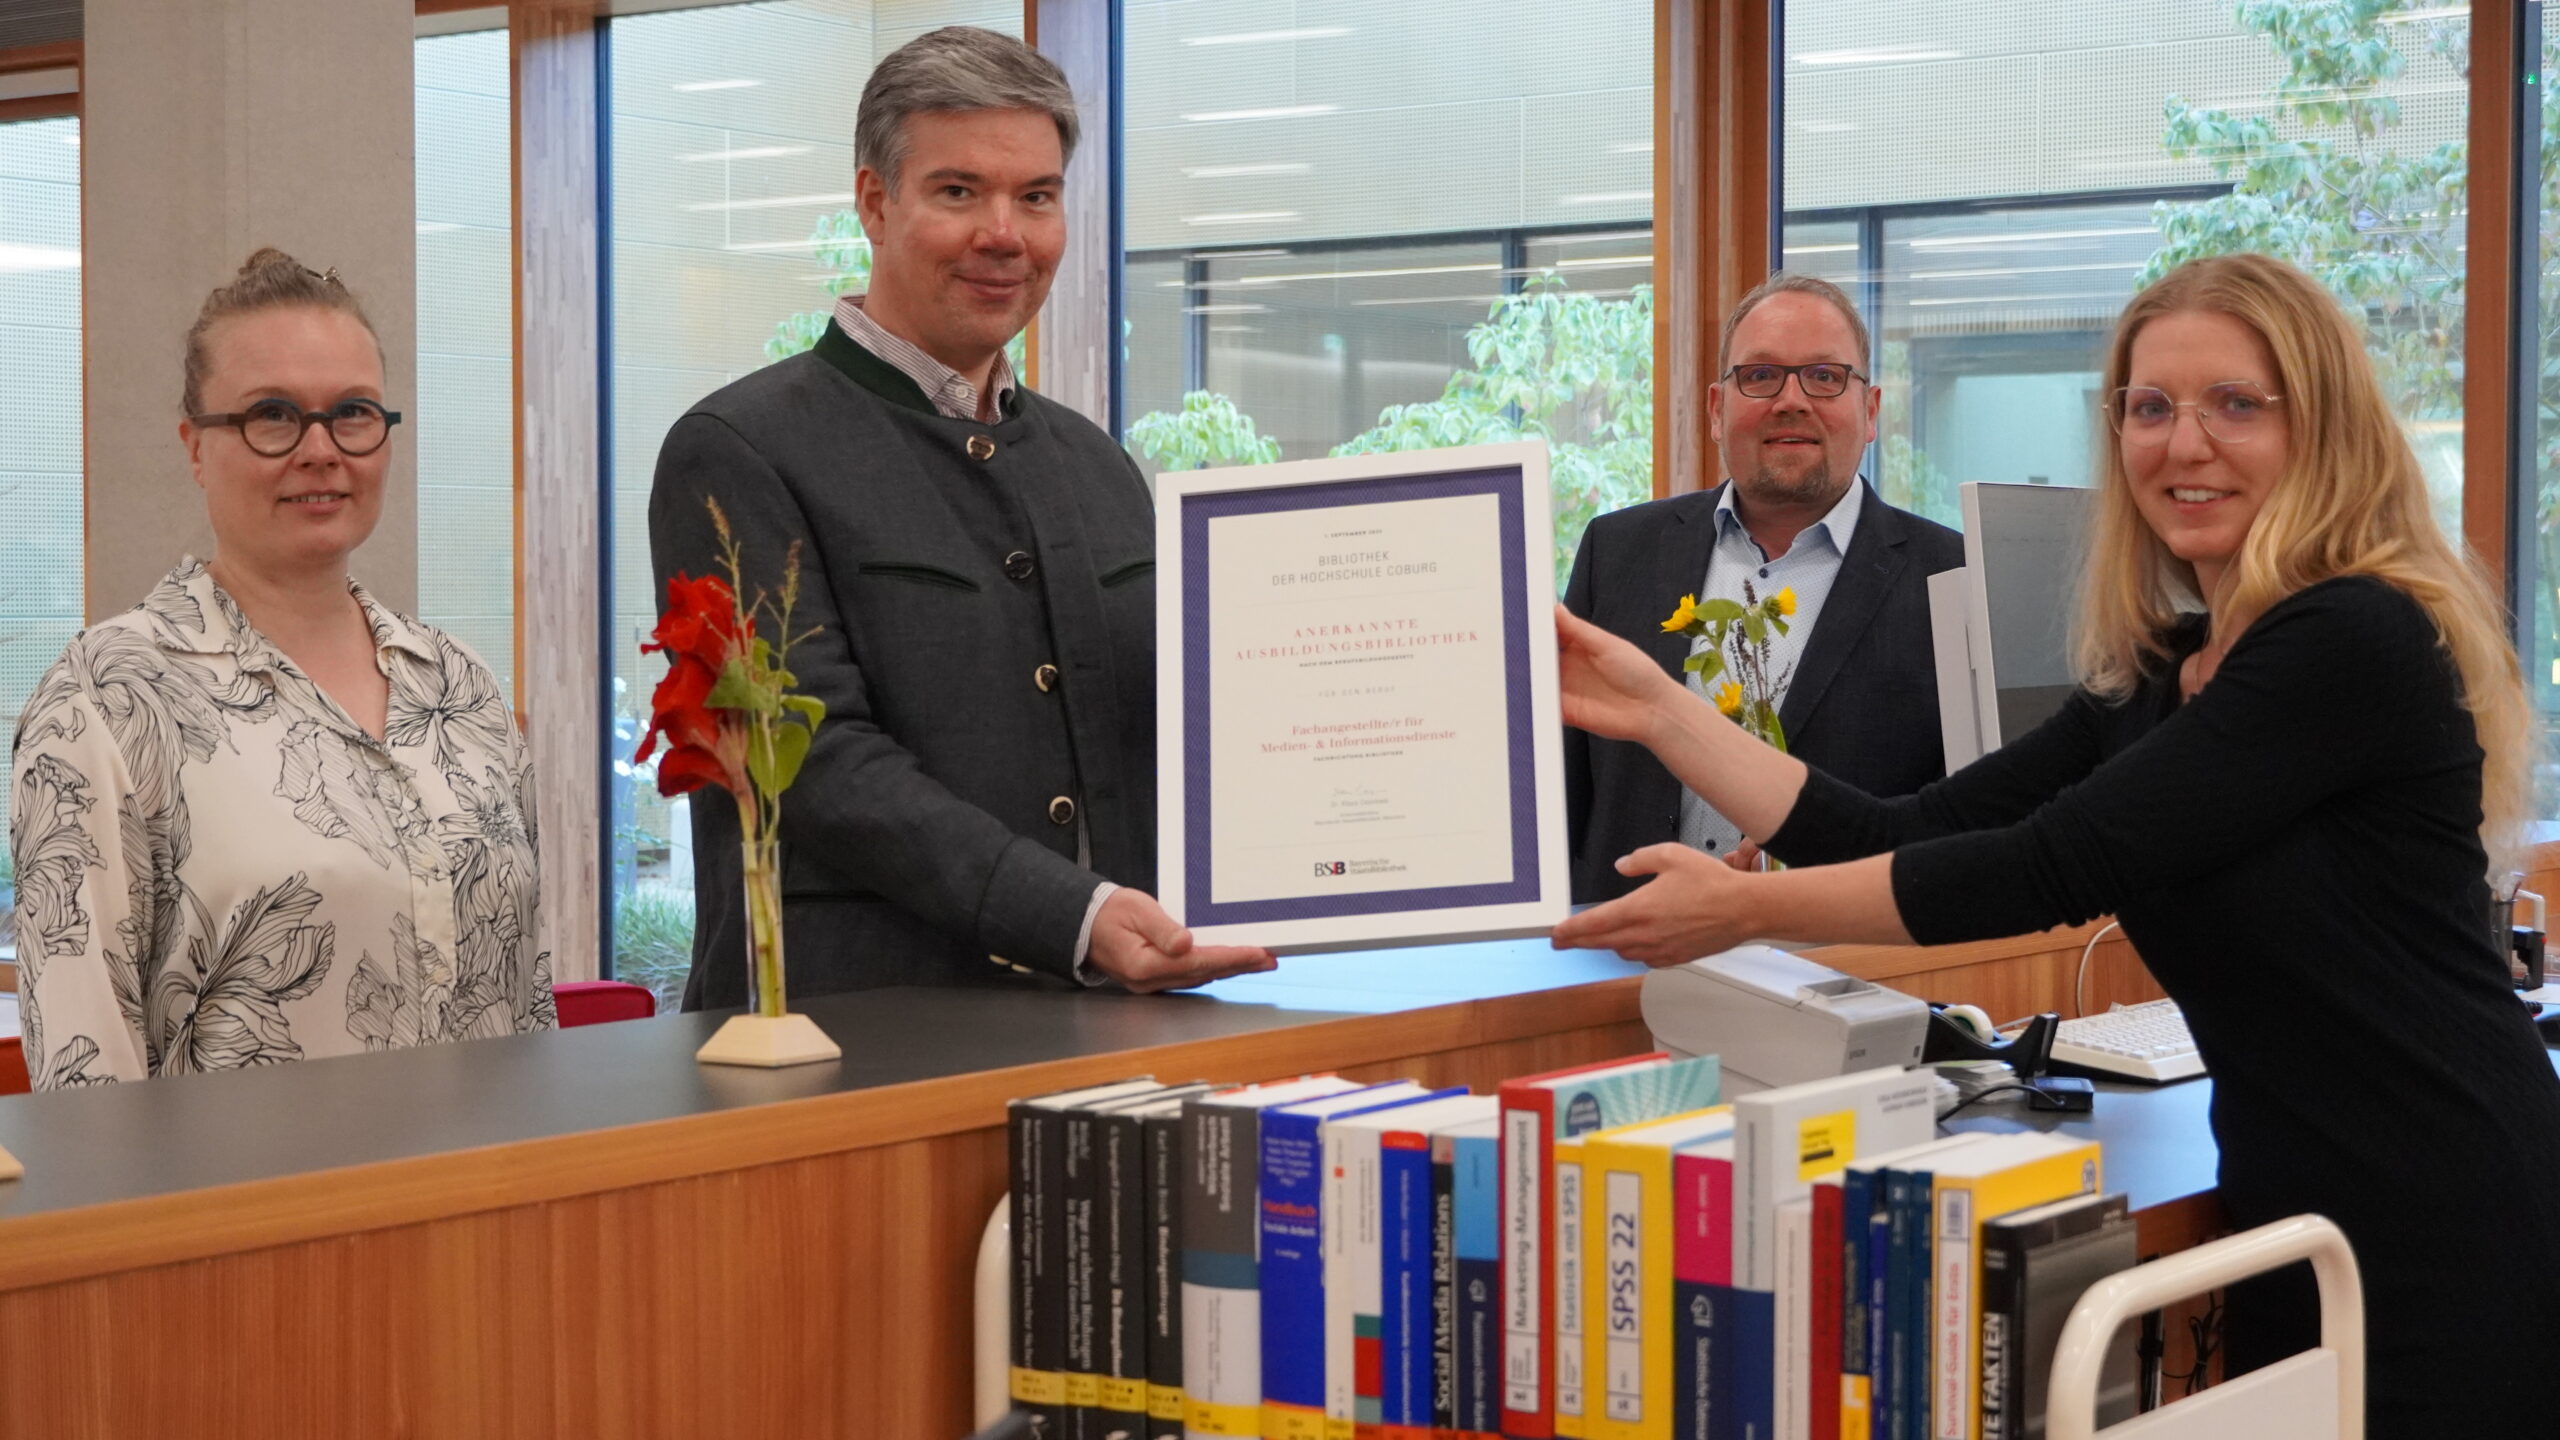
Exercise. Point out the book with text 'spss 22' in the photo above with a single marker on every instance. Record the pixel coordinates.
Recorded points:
(1538, 1111)
(1628, 1258)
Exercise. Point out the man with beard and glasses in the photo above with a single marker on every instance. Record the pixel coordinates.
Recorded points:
(977, 580)
(1792, 409)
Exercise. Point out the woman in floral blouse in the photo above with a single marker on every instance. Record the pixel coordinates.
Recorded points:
(261, 817)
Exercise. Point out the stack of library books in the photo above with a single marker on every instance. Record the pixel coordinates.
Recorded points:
(1606, 1253)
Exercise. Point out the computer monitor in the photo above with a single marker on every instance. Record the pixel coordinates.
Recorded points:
(2002, 624)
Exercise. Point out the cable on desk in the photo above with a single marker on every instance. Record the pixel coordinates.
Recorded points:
(2079, 1004)
(2032, 1093)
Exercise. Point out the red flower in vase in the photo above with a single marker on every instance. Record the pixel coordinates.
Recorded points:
(700, 633)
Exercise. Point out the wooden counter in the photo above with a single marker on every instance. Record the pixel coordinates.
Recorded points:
(584, 1234)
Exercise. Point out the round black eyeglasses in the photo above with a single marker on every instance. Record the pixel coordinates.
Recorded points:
(275, 428)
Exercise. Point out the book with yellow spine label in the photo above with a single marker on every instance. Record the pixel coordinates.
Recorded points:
(1565, 1184)
(1627, 1241)
(1036, 1172)
(2006, 1173)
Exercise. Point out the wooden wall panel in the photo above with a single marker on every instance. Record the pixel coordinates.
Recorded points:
(1712, 209)
(560, 587)
(2487, 317)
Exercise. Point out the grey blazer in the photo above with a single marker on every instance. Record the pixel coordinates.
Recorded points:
(1863, 706)
(983, 597)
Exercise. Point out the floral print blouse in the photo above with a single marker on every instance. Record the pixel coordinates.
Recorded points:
(217, 868)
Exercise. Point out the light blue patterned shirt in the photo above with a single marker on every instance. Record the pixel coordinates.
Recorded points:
(1810, 567)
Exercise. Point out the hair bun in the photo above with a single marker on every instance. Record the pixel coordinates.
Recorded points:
(266, 257)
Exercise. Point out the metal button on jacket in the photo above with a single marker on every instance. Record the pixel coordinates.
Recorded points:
(1018, 566)
(1062, 811)
(1046, 677)
(982, 447)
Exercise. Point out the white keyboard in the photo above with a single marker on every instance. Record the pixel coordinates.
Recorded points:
(2137, 1042)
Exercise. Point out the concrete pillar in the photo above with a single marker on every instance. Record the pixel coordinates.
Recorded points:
(210, 128)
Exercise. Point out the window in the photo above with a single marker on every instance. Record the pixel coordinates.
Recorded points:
(2006, 179)
(731, 232)
(40, 494)
(2536, 512)
(1334, 210)
(464, 425)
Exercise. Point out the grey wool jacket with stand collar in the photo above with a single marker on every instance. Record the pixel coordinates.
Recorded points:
(984, 598)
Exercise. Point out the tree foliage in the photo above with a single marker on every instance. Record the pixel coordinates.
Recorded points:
(837, 242)
(1572, 370)
(1207, 430)
(2317, 180)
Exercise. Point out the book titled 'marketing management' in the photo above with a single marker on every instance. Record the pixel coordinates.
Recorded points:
(1537, 1112)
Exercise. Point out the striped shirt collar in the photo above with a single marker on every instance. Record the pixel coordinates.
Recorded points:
(953, 396)
(1836, 525)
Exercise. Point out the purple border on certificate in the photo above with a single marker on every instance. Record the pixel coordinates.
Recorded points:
(1200, 785)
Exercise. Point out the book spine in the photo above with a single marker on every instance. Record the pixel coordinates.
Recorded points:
(1822, 1406)
(1751, 1202)
(1334, 1330)
(1792, 1237)
(1084, 1390)
(1036, 1382)
(2003, 1316)
(1444, 1283)
(1951, 1307)
(1406, 1342)
(1573, 1277)
(1364, 1299)
(1616, 1260)
(1907, 1336)
(1164, 1277)
(1121, 1358)
(1857, 1205)
(1293, 1289)
(1221, 1288)
(1702, 1296)
(1478, 1182)
(1528, 1304)
(1879, 1266)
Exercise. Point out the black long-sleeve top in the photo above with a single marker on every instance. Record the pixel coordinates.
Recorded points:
(2295, 852)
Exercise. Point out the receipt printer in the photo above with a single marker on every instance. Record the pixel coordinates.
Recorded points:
(1777, 1019)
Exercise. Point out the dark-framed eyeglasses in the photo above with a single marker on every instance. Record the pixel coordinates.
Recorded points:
(1821, 380)
(2233, 412)
(275, 427)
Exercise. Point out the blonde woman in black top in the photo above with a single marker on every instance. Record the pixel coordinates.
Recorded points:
(2291, 801)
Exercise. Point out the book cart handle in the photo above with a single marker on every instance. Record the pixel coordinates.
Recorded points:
(2071, 1410)
(991, 1393)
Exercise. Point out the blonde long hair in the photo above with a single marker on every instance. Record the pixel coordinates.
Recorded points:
(2352, 501)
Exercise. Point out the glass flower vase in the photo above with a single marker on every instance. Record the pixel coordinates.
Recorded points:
(768, 1036)
(766, 994)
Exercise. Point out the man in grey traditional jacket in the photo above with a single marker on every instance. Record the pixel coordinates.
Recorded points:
(979, 563)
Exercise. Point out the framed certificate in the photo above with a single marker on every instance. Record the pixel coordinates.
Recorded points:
(1357, 727)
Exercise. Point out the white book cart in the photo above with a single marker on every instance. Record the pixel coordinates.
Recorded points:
(2316, 1395)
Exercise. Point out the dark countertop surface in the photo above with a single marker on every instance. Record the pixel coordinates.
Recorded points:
(125, 1142)
(121, 1142)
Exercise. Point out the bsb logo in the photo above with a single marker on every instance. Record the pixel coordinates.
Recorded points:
(1330, 867)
